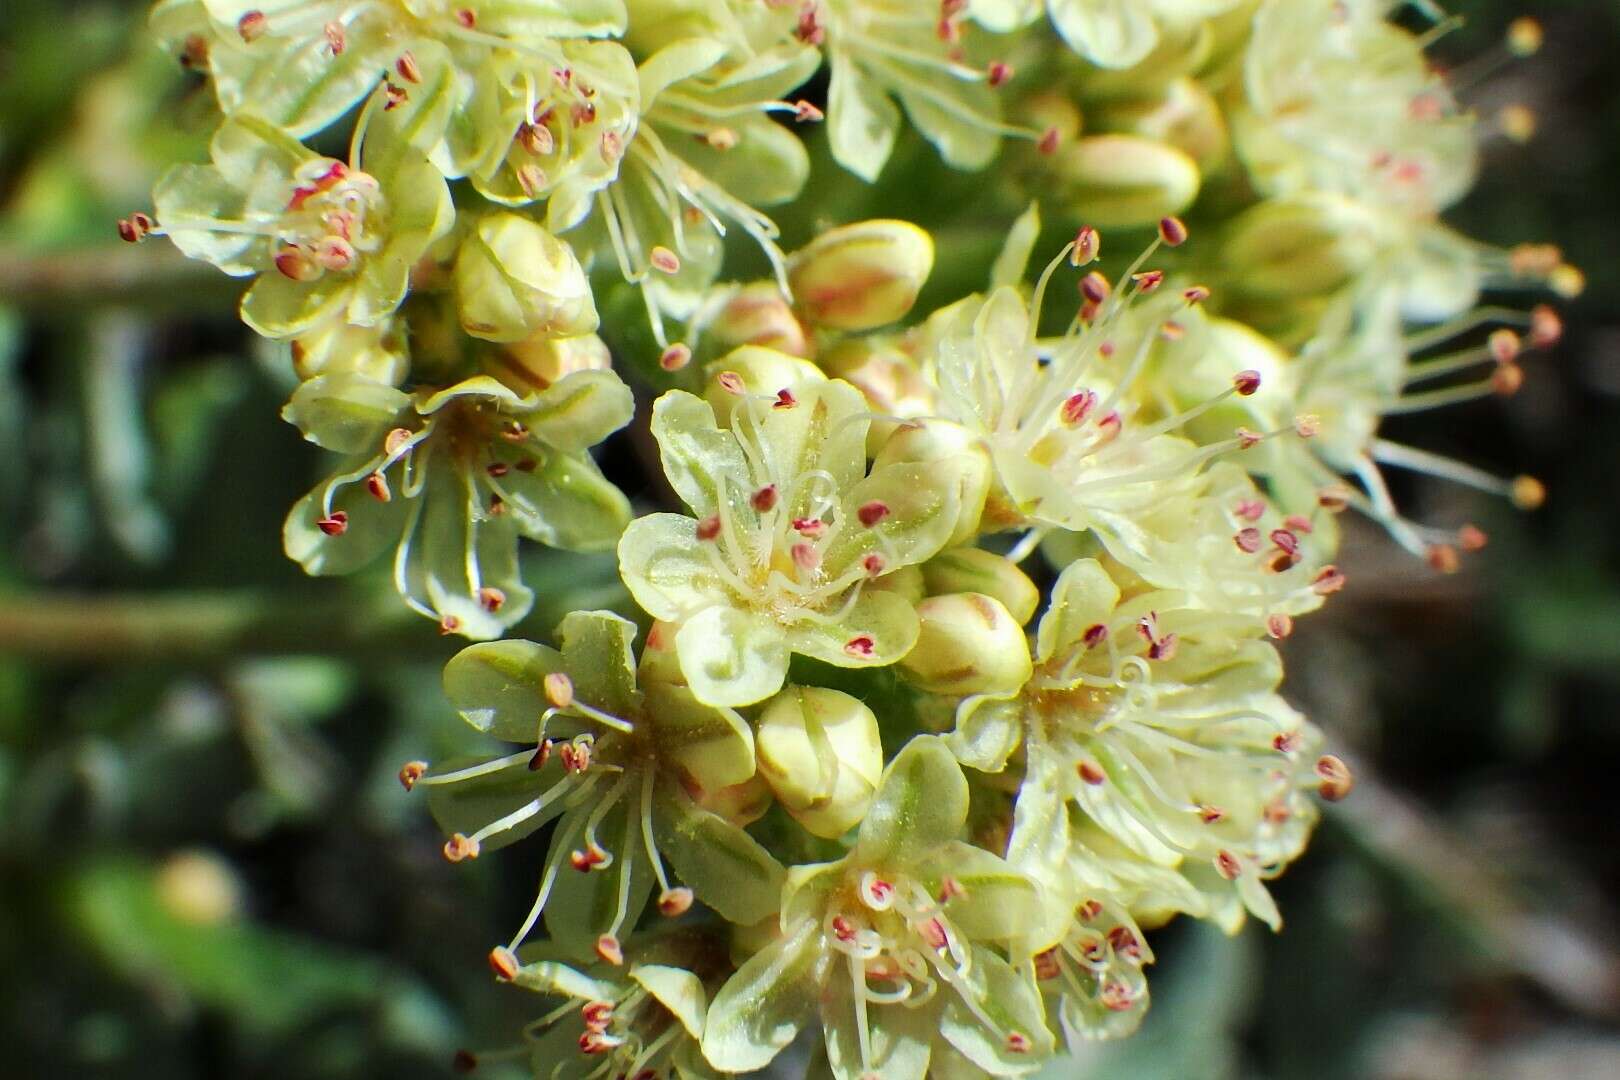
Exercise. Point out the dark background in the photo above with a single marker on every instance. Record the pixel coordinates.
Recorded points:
(207, 868)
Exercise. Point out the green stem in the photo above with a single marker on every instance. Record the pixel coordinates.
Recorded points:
(152, 276)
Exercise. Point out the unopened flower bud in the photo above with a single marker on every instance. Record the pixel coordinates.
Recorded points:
(753, 369)
(514, 280)
(1124, 180)
(956, 452)
(970, 644)
(758, 314)
(863, 275)
(542, 359)
(1303, 245)
(820, 752)
(968, 569)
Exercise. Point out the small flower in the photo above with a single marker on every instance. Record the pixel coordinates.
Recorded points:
(326, 240)
(1161, 724)
(897, 945)
(473, 467)
(747, 585)
(304, 63)
(641, 1018)
(618, 766)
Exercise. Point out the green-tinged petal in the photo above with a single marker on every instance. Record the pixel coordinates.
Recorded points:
(609, 898)
(1110, 33)
(1006, 998)
(762, 1007)
(1004, 16)
(499, 687)
(344, 412)
(806, 890)
(596, 654)
(258, 157)
(563, 500)
(1013, 261)
(371, 527)
(997, 903)
(677, 990)
(1083, 596)
(988, 729)
(278, 307)
(877, 630)
(713, 748)
(187, 198)
(523, 20)
(731, 657)
(922, 504)
(959, 127)
(767, 166)
(581, 410)
(675, 62)
(298, 84)
(665, 566)
(862, 122)
(920, 807)
(899, 1036)
(468, 805)
(725, 867)
(698, 456)
(417, 124)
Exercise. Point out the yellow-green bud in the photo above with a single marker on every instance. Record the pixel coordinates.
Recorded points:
(906, 581)
(889, 379)
(514, 280)
(1301, 245)
(1125, 180)
(970, 644)
(1185, 116)
(950, 446)
(758, 314)
(863, 275)
(968, 569)
(820, 752)
(1050, 110)
(741, 804)
(376, 352)
(539, 361)
(754, 369)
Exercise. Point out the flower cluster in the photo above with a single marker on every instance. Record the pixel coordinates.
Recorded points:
(958, 661)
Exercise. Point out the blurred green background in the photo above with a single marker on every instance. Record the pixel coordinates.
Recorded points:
(207, 868)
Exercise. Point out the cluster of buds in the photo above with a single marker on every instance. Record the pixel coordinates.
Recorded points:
(1027, 554)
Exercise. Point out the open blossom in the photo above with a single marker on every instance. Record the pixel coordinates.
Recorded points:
(1162, 726)
(900, 946)
(614, 754)
(451, 479)
(325, 240)
(304, 63)
(642, 1017)
(787, 539)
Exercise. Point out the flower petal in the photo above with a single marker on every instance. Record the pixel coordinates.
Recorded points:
(762, 1007)
(499, 687)
(921, 805)
(727, 869)
(731, 657)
